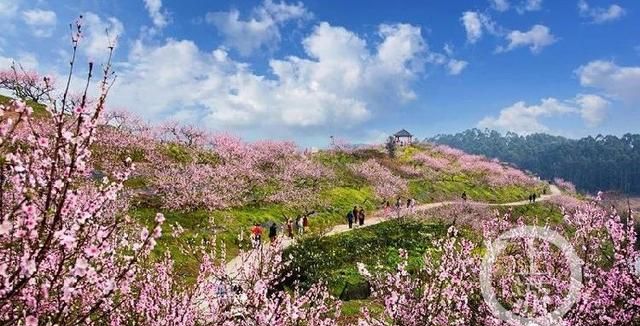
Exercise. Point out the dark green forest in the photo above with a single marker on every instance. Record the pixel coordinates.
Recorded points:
(591, 163)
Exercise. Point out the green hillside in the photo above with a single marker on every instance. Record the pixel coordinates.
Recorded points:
(337, 196)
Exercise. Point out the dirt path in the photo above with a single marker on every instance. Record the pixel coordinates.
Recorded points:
(234, 265)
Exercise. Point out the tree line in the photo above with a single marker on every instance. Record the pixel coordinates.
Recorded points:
(591, 163)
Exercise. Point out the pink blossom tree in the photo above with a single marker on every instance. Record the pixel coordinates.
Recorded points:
(386, 185)
(68, 251)
(439, 293)
(604, 242)
(565, 185)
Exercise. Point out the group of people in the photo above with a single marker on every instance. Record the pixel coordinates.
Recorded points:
(355, 216)
(301, 223)
(256, 234)
(410, 205)
(532, 198)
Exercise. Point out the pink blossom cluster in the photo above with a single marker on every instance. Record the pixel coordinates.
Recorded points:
(386, 185)
(26, 85)
(68, 251)
(565, 185)
(440, 293)
(432, 162)
(70, 254)
(265, 171)
(446, 291)
(567, 203)
(460, 214)
(448, 151)
(496, 173)
(248, 296)
(189, 168)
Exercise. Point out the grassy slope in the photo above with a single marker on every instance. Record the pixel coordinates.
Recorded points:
(38, 109)
(339, 196)
(333, 259)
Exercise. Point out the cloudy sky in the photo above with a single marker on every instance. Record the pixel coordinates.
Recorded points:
(353, 69)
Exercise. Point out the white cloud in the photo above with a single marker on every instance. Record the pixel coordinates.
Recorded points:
(522, 7)
(41, 22)
(500, 5)
(617, 81)
(473, 25)
(524, 119)
(99, 34)
(340, 81)
(530, 5)
(262, 29)
(158, 16)
(593, 108)
(455, 67)
(600, 15)
(9, 8)
(537, 38)
(26, 59)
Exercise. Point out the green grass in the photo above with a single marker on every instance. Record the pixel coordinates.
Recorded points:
(333, 259)
(539, 213)
(351, 310)
(39, 110)
(451, 188)
(229, 224)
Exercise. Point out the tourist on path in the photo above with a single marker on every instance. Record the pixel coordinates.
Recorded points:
(350, 218)
(355, 212)
(305, 222)
(464, 196)
(530, 198)
(256, 235)
(387, 208)
(273, 231)
(361, 216)
(534, 197)
(300, 225)
(289, 228)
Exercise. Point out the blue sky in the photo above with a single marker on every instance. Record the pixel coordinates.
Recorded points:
(358, 70)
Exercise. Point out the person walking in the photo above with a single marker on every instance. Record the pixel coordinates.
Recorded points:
(256, 235)
(350, 218)
(387, 208)
(530, 198)
(289, 228)
(273, 232)
(361, 216)
(464, 196)
(305, 222)
(355, 215)
(300, 225)
(534, 197)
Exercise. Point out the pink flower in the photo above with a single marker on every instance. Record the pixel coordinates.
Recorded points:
(31, 321)
(81, 267)
(91, 251)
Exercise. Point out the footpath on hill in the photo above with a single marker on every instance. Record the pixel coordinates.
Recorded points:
(233, 266)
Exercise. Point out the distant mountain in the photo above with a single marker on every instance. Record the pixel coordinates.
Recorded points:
(591, 163)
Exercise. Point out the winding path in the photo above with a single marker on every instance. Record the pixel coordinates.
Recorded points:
(233, 265)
